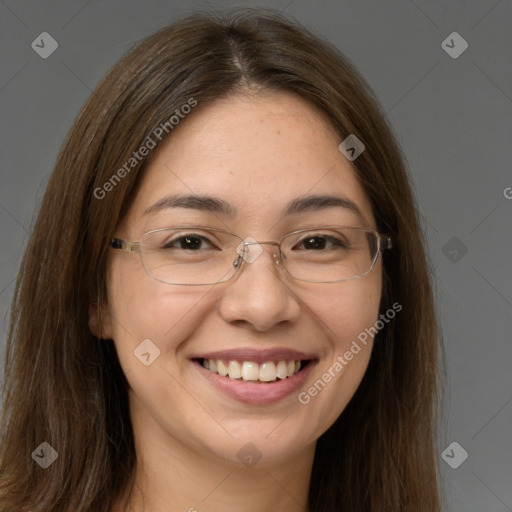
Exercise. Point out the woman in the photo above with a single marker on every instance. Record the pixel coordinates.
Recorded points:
(225, 302)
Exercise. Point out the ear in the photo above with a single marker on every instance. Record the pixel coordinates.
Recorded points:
(100, 321)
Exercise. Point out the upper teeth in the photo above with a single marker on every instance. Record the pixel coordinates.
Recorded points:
(268, 371)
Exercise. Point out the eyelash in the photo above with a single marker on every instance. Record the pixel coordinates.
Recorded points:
(202, 238)
(334, 242)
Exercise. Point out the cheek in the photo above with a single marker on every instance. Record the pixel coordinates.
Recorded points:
(346, 312)
(346, 309)
(144, 309)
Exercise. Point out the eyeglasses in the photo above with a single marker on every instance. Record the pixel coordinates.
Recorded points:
(203, 256)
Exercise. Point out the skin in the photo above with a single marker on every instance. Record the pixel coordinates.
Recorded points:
(257, 152)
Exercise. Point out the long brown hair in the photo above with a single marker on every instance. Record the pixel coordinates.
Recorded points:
(65, 387)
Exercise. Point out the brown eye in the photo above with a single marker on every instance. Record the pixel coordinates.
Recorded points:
(189, 242)
(315, 243)
(318, 243)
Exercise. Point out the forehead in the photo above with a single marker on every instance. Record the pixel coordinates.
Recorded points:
(257, 153)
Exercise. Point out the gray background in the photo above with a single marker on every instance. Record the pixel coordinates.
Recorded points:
(452, 117)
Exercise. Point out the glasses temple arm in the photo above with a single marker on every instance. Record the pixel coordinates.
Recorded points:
(117, 243)
(385, 242)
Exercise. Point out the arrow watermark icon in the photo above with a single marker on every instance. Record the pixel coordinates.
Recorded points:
(146, 352)
(454, 45)
(45, 455)
(249, 455)
(44, 45)
(351, 147)
(454, 455)
(454, 249)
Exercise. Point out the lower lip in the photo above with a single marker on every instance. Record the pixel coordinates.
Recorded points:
(255, 392)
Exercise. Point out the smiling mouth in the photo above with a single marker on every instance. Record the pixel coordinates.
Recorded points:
(251, 371)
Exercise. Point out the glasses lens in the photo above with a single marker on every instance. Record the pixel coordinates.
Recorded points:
(196, 255)
(330, 254)
(189, 255)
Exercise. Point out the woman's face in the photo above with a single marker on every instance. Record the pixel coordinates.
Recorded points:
(255, 156)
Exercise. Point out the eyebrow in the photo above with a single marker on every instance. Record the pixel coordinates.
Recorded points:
(320, 202)
(193, 202)
(219, 206)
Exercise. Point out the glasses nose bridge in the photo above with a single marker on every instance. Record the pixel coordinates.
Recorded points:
(277, 254)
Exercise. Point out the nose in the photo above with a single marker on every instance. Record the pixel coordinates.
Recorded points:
(259, 296)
